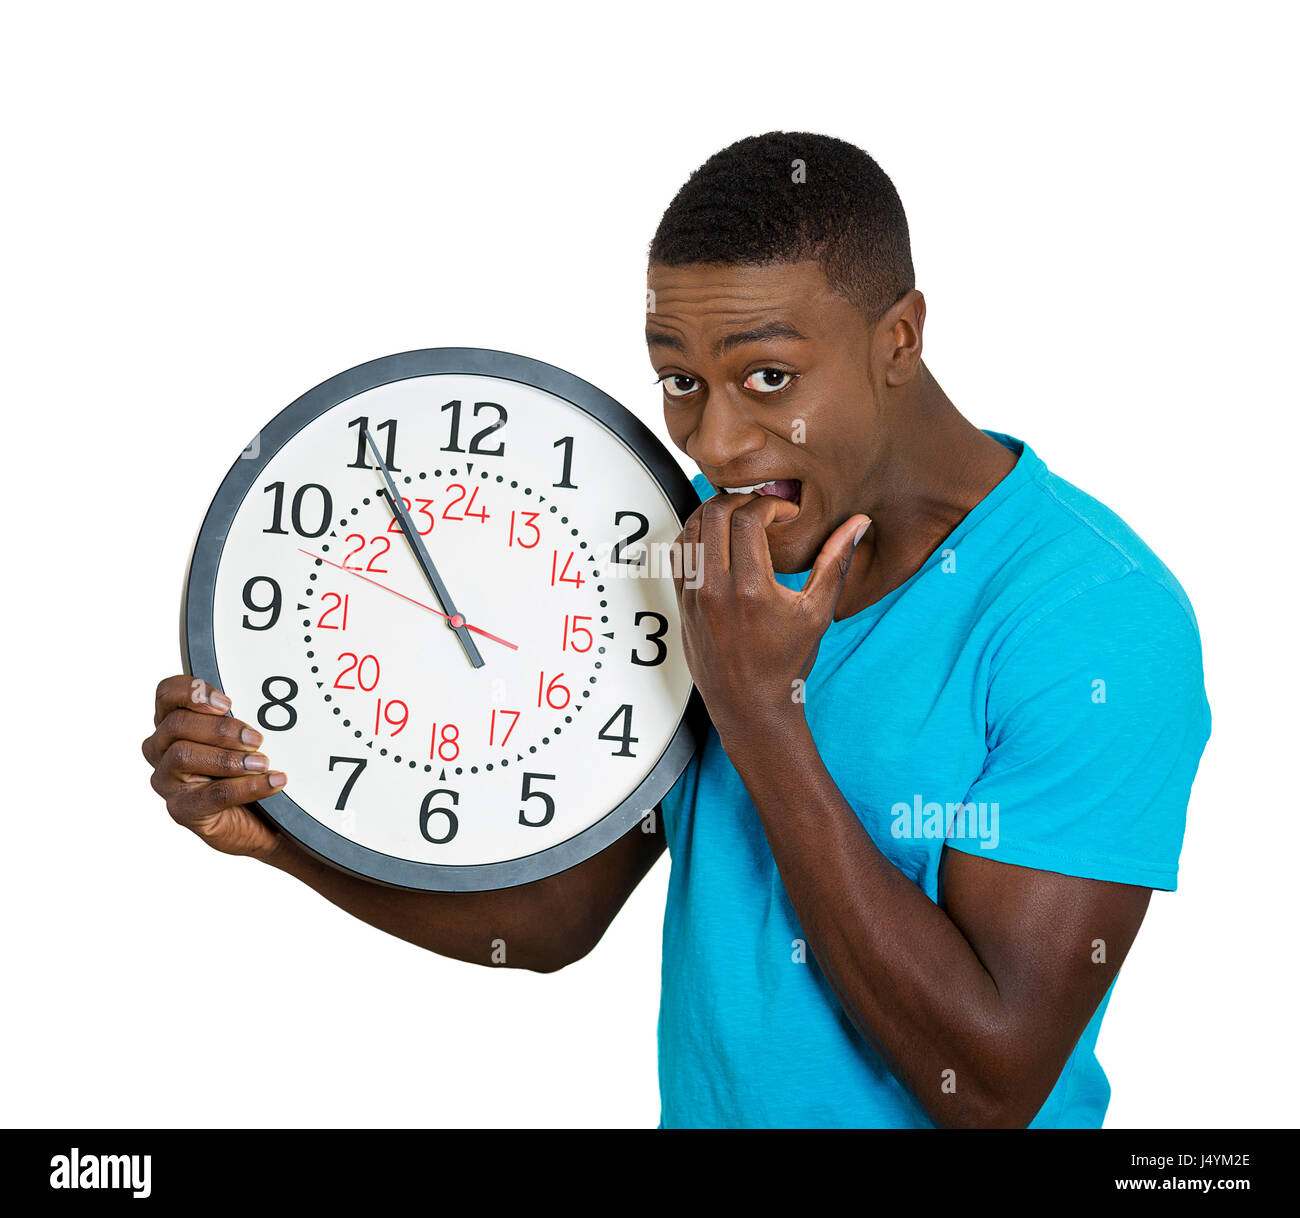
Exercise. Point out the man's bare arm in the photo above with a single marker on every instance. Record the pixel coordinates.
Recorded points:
(208, 770)
(995, 984)
(544, 925)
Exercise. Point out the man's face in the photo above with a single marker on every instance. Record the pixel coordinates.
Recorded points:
(767, 377)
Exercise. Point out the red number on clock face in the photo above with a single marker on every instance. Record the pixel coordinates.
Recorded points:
(481, 515)
(571, 631)
(338, 601)
(397, 724)
(564, 577)
(395, 526)
(359, 665)
(370, 566)
(517, 537)
(492, 727)
(446, 748)
(553, 687)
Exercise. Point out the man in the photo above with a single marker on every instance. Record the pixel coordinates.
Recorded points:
(956, 705)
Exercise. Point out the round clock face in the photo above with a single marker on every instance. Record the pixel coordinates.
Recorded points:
(479, 688)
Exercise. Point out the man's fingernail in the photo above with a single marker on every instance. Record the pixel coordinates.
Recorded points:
(277, 779)
(857, 537)
(251, 736)
(256, 762)
(218, 700)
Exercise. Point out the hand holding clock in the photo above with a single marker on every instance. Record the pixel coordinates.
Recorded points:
(747, 638)
(208, 769)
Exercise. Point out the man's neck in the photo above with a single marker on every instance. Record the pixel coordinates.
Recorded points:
(939, 470)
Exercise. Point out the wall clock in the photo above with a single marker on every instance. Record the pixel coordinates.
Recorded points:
(438, 583)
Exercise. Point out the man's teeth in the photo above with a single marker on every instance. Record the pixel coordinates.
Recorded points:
(784, 488)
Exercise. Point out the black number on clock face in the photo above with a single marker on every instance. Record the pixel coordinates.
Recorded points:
(295, 512)
(284, 703)
(641, 530)
(567, 444)
(475, 444)
(547, 802)
(428, 812)
(655, 636)
(626, 739)
(362, 425)
(273, 608)
(360, 763)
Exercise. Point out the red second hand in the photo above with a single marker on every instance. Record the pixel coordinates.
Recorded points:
(395, 592)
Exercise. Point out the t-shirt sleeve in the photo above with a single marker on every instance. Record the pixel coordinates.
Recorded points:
(1097, 718)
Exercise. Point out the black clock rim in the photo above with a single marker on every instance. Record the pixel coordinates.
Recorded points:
(198, 648)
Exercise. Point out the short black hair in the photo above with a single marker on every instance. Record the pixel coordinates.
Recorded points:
(791, 196)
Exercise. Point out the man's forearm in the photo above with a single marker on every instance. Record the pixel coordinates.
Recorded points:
(900, 967)
(512, 927)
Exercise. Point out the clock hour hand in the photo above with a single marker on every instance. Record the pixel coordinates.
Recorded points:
(454, 620)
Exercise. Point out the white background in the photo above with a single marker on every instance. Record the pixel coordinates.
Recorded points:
(209, 210)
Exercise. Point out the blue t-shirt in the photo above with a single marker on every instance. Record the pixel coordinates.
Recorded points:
(1033, 694)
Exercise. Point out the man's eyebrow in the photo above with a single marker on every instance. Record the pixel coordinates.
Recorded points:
(657, 338)
(769, 330)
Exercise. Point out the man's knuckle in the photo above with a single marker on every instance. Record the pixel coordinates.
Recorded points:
(228, 729)
(170, 725)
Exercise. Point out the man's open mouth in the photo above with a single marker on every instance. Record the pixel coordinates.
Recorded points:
(782, 488)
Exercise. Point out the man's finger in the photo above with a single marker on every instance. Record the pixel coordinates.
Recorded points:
(187, 759)
(188, 691)
(190, 802)
(220, 731)
(687, 542)
(751, 553)
(715, 533)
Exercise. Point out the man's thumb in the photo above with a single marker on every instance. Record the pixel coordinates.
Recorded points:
(832, 565)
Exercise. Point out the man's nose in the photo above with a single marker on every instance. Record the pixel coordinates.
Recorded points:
(725, 434)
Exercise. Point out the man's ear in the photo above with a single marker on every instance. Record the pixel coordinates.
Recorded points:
(899, 335)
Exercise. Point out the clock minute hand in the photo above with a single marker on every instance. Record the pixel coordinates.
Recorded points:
(455, 622)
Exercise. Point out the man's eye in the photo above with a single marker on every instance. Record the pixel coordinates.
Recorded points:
(768, 380)
(678, 386)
